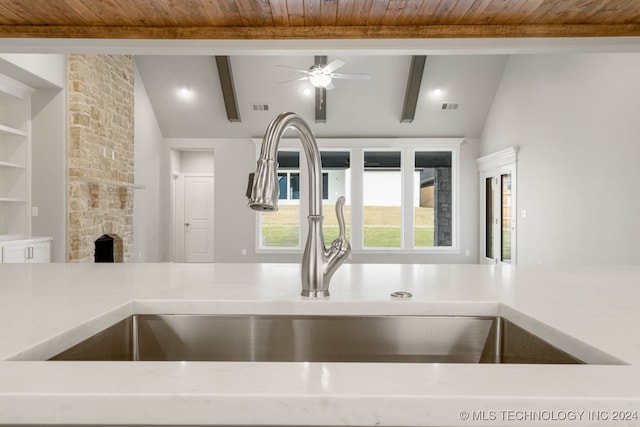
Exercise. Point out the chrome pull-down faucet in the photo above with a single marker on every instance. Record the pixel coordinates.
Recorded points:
(318, 262)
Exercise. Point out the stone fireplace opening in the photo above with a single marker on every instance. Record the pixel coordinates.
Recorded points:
(109, 248)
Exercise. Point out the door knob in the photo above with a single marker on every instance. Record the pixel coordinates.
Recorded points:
(186, 224)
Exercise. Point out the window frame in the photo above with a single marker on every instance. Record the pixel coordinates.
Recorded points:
(259, 248)
(361, 246)
(357, 146)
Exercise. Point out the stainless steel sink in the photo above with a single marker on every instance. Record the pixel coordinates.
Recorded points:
(272, 338)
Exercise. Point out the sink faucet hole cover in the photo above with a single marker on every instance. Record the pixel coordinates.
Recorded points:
(401, 295)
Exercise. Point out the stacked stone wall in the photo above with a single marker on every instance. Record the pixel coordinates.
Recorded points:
(443, 208)
(99, 153)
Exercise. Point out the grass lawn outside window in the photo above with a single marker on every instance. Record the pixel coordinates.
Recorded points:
(281, 229)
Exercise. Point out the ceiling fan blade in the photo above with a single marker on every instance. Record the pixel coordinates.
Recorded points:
(294, 80)
(333, 65)
(292, 68)
(351, 76)
(330, 86)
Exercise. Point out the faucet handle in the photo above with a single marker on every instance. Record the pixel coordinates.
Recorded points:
(341, 243)
(340, 215)
(340, 247)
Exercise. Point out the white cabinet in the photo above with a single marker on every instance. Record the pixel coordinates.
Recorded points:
(14, 254)
(26, 251)
(15, 157)
(40, 252)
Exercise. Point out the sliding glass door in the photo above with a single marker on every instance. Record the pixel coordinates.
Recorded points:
(499, 224)
(497, 210)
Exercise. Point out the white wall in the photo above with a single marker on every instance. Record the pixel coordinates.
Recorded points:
(576, 119)
(337, 181)
(234, 222)
(49, 172)
(36, 70)
(382, 188)
(147, 246)
(197, 162)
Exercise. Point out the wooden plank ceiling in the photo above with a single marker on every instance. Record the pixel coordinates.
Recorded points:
(318, 19)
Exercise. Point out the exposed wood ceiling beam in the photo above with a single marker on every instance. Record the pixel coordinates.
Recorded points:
(321, 95)
(228, 88)
(412, 93)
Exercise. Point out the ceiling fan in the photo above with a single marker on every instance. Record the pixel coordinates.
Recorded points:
(322, 76)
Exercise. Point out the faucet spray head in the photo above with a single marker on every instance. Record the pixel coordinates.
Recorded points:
(263, 189)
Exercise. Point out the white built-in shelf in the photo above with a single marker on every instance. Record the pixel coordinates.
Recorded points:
(11, 165)
(15, 164)
(12, 131)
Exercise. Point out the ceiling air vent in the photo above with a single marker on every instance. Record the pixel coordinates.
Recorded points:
(449, 106)
(260, 107)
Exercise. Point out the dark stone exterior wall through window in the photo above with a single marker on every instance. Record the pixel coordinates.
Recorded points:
(443, 209)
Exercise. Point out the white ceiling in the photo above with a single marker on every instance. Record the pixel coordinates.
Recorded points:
(355, 108)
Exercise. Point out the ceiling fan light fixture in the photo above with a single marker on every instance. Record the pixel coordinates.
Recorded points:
(320, 80)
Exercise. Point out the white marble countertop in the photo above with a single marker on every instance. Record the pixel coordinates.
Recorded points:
(44, 308)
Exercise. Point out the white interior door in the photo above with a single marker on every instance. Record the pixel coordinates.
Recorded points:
(198, 219)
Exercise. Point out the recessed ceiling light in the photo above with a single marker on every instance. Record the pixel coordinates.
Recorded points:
(185, 91)
(307, 91)
(436, 93)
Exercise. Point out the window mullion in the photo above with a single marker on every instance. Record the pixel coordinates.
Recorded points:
(357, 183)
(408, 168)
(288, 182)
(303, 200)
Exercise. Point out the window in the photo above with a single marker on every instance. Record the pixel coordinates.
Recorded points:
(281, 229)
(488, 249)
(336, 182)
(401, 195)
(325, 185)
(505, 230)
(289, 185)
(382, 199)
(433, 199)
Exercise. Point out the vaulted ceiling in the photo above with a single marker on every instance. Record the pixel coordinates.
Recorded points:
(319, 19)
(353, 108)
